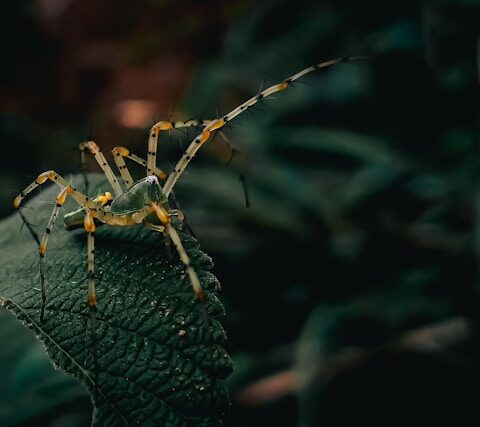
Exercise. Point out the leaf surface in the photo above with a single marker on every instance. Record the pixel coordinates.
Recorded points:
(159, 351)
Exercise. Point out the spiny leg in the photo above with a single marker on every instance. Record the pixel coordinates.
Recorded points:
(281, 86)
(66, 190)
(41, 265)
(164, 126)
(161, 229)
(89, 225)
(194, 280)
(42, 248)
(155, 130)
(170, 232)
(94, 149)
(53, 176)
(119, 153)
(204, 136)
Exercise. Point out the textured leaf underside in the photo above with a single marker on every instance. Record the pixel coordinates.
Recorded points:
(159, 351)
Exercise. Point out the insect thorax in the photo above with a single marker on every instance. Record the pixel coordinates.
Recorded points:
(141, 194)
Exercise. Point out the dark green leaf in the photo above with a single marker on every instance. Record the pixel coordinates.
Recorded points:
(159, 350)
(30, 386)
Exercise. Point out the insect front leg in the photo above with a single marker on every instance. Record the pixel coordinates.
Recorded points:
(165, 126)
(119, 153)
(94, 149)
(217, 124)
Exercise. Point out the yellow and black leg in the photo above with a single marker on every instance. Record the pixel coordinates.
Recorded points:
(205, 135)
(171, 233)
(66, 191)
(54, 177)
(89, 225)
(42, 248)
(43, 242)
(166, 126)
(94, 149)
(119, 153)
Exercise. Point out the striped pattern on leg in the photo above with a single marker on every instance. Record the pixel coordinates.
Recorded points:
(194, 280)
(53, 176)
(170, 232)
(204, 136)
(89, 225)
(165, 126)
(120, 152)
(102, 162)
(42, 248)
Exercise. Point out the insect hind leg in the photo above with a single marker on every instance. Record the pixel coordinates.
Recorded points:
(43, 242)
(41, 265)
(171, 233)
(89, 225)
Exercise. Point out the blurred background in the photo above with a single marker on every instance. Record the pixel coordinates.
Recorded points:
(351, 281)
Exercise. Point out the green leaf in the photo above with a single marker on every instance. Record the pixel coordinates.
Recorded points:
(159, 350)
(30, 386)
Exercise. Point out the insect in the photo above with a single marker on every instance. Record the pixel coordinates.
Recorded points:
(145, 201)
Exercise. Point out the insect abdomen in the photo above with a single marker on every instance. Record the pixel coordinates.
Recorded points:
(74, 219)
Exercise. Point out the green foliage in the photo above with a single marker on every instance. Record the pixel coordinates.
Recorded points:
(159, 351)
(363, 182)
(30, 386)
